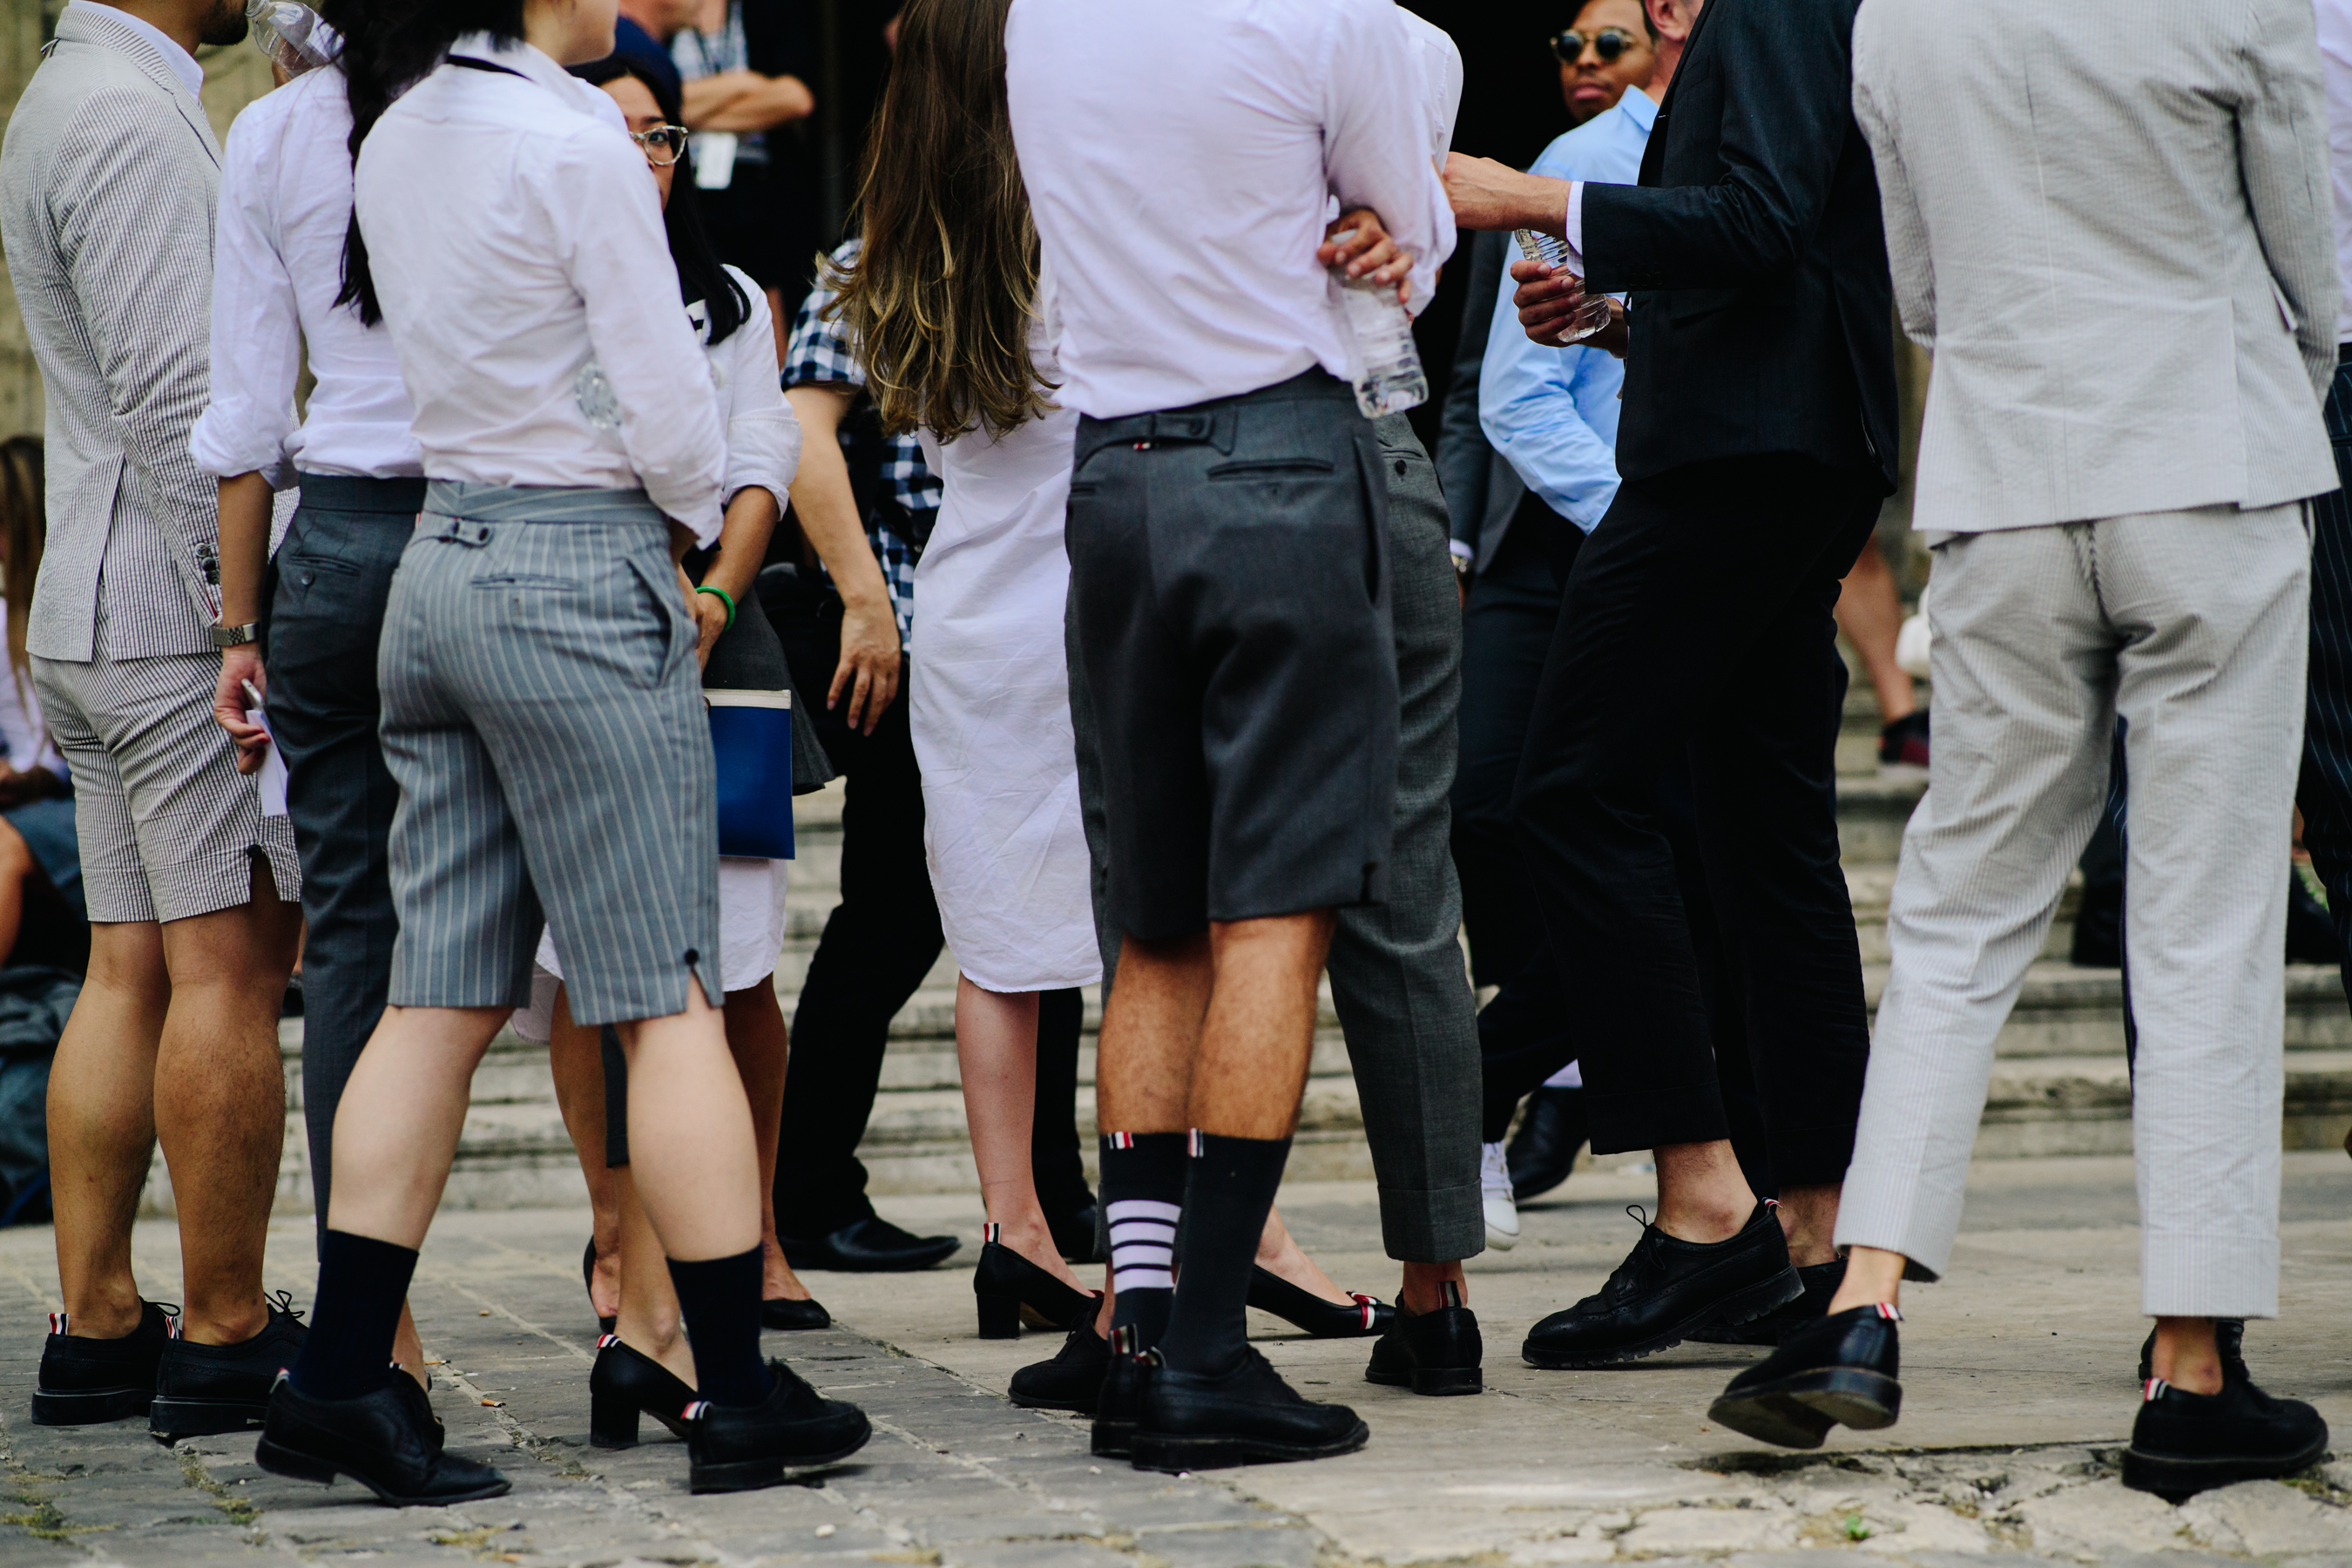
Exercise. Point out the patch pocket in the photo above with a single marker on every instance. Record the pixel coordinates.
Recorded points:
(1272, 468)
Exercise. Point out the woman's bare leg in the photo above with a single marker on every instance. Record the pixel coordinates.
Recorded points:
(576, 1060)
(996, 1045)
(757, 1036)
(649, 1317)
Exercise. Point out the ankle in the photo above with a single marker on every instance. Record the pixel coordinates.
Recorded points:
(1424, 1290)
(2185, 1355)
(1702, 1220)
(1872, 1275)
(217, 1326)
(107, 1317)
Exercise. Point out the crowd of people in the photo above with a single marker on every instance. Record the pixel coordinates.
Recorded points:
(1069, 510)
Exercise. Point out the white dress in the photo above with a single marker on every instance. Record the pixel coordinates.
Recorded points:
(989, 701)
(763, 447)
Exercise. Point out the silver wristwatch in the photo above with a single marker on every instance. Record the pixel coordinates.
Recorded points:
(236, 637)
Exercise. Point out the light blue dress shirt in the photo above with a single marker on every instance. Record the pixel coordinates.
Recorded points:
(1552, 413)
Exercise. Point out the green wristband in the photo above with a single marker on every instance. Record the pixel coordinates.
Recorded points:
(727, 598)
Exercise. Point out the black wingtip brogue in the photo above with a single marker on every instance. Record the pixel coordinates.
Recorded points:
(1666, 1288)
(386, 1439)
(1243, 1415)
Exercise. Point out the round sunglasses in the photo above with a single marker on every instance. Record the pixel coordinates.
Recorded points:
(1609, 43)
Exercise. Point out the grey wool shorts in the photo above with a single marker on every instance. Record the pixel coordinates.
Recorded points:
(543, 716)
(1229, 596)
(168, 826)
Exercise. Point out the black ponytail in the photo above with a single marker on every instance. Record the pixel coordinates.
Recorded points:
(699, 275)
(389, 46)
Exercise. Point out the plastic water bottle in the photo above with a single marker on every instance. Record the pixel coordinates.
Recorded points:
(1387, 373)
(1553, 252)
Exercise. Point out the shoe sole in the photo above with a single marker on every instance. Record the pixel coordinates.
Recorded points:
(2174, 1480)
(753, 1475)
(1798, 1412)
(280, 1460)
(1500, 1242)
(916, 1265)
(90, 1408)
(1113, 1439)
(1172, 1455)
(1031, 1401)
(169, 1420)
(1744, 1307)
(1433, 1381)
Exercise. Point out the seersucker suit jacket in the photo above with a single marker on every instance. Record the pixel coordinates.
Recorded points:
(109, 178)
(2112, 225)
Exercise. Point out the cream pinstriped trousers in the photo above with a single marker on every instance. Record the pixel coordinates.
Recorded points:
(2193, 627)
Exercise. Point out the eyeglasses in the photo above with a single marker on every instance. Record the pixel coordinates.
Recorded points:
(1609, 43)
(662, 145)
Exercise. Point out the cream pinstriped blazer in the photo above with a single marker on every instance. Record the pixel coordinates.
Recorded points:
(109, 179)
(2112, 224)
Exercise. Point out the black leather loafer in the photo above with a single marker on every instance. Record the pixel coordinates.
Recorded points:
(626, 1383)
(1244, 1414)
(1072, 1381)
(2229, 1339)
(83, 1381)
(205, 1389)
(2185, 1443)
(1433, 1352)
(1821, 1282)
(788, 1316)
(387, 1440)
(1120, 1404)
(1543, 1150)
(1665, 1289)
(739, 1448)
(1838, 1369)
(1356, 1317)
(868, 1245)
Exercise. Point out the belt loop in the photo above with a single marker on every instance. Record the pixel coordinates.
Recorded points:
(1224, 421)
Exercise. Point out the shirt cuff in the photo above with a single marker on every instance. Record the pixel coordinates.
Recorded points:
(1461, 549)
(1572, 228)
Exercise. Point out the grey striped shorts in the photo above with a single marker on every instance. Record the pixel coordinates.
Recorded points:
(168, 826)
(543, 716)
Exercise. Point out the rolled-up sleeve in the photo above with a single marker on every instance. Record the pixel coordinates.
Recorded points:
(1375, 137)
(763, 438)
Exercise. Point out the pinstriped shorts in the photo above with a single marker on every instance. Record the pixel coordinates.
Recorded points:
(168, 826)
(543, 716)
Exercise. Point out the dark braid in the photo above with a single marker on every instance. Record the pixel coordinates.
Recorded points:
(389, 46)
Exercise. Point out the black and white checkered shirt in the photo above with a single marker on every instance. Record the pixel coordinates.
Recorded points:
(818, 355)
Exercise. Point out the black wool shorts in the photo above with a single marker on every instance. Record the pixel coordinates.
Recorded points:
(1229, 596)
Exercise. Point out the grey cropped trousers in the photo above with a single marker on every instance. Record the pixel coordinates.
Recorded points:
(2192, 627)
(1398, 977)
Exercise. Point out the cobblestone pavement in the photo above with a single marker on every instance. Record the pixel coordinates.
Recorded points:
(2018, 1375)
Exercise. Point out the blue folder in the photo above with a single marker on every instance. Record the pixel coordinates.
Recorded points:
(751, 738)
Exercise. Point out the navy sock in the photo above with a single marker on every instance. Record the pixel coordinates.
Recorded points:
(1142, 1198)
(1227, 1195)
(361, 1283)
(720, 1300)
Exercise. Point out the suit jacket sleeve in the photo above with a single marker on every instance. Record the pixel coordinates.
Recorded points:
(1464, 458)
(1907, 253)
(2283, 154)
(1787, 112)
(136, 235)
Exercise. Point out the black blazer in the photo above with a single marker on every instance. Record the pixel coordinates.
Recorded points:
(1762, 315)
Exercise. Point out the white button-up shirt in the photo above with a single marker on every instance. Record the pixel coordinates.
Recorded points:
(518, 250)
(278, 264)
(1179, 161)
(764, 437)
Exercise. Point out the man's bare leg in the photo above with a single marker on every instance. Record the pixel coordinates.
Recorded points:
(1259, 1030)
(101, 1115)
(220, 1101)
(1151, 1032)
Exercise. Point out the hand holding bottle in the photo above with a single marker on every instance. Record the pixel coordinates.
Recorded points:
(1384, 365)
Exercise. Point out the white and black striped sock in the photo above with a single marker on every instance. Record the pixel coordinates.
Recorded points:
(1143, 1199)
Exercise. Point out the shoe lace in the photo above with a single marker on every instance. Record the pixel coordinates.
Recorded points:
(1626, 1280)
(282, 1303)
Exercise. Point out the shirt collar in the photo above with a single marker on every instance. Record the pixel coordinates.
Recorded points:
(184, 64)
(1640, 108)
(527, 60)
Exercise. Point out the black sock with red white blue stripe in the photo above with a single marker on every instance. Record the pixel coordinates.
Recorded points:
(1227, 1195)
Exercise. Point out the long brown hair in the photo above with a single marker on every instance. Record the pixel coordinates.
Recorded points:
(24, 533)
(939, 300)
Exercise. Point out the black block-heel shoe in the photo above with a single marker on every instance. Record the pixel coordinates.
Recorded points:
(387, 1440)
(627, 1384)
(742, 1447)
(1359, 1317)
(1841, 1368)
(1008, 1284)
(783, 1313)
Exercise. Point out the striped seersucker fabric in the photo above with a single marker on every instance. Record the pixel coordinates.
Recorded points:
(2192, 626)
(168, 826)
(543, 717)
(2326, 792)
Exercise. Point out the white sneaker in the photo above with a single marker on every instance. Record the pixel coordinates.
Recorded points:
(1494, 1189)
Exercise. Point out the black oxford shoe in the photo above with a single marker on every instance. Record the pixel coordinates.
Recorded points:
(1244, 1414)
(1543, 1150)
(1838, 1369)
(2184, 1443)
(1666, 1288)
(82, 1381)
(1119, 1403)
(1432, 1353)
(869, 1246)
(742, 1447)
(1072, 1381)
(206, 1389)
(387, 1440)
(1821, 1282)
